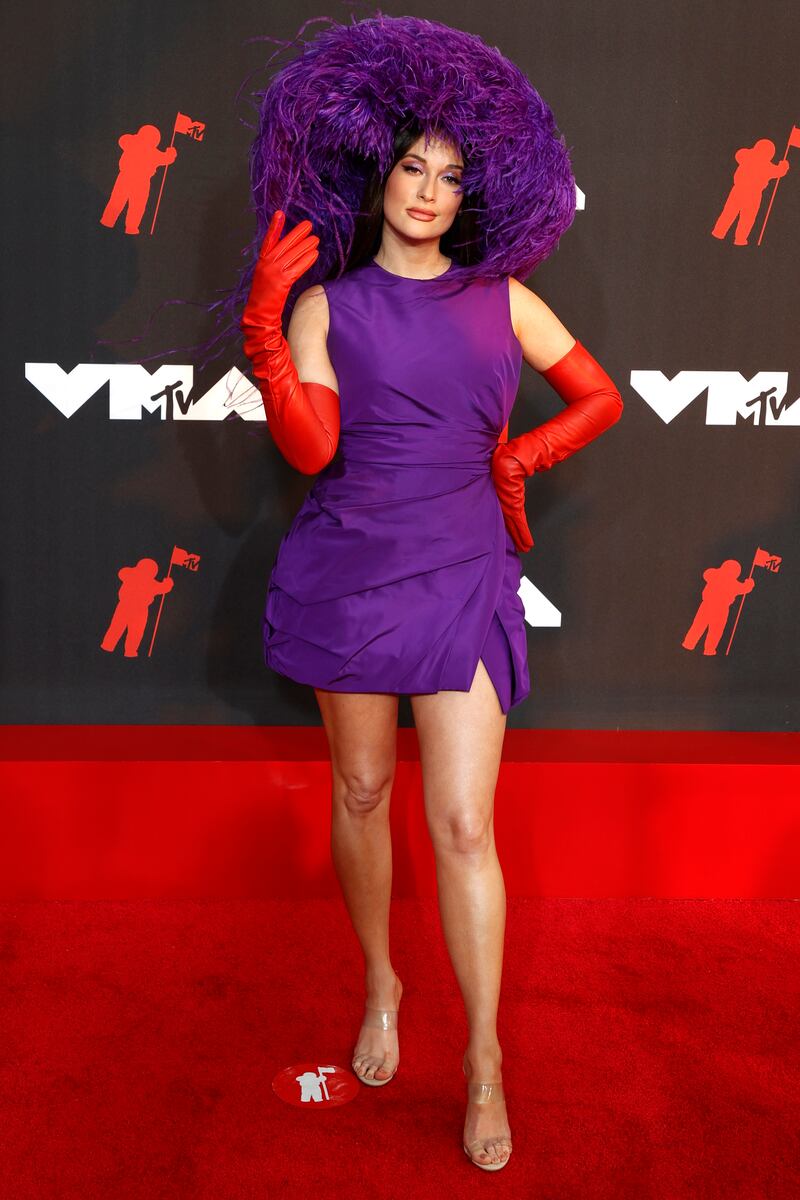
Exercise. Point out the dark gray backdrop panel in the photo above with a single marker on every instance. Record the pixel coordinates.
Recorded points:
(653, 100)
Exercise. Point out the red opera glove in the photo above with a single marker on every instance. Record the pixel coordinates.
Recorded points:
(303, 418)
(593, 405)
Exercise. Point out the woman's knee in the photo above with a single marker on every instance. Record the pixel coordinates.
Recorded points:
(466, 832)
(362, 734)
(362, 791)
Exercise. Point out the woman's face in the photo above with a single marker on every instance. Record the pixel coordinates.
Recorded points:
(427, 180)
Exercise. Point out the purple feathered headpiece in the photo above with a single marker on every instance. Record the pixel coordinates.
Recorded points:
(330, 116)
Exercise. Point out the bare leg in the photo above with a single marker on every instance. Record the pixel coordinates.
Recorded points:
(362, 735)
(461, 740)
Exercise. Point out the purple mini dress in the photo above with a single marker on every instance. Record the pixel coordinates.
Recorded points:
(398, 574)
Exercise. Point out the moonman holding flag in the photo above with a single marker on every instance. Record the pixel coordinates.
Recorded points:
(722, 587)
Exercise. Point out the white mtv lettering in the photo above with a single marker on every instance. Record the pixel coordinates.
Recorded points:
(134, 390)
(760, 400)
(731, 397)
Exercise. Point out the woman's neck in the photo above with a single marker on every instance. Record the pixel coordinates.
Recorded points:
(411, 267)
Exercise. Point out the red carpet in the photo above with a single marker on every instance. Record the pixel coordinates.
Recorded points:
(651, 1052)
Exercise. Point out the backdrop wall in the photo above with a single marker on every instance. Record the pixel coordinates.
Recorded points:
(108, 459)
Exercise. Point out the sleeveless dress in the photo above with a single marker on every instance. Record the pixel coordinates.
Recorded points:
(397, 573)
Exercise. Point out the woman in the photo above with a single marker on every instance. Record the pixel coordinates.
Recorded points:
(399, 574)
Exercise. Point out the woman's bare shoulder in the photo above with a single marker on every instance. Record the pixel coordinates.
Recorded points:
(311, 311)
(543, 337)
(313, 305)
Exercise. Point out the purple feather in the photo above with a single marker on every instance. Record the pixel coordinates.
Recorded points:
(329, 117)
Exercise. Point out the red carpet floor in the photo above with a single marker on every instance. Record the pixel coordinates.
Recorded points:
(651, 1052)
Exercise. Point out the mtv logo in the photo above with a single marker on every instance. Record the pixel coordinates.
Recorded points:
(132, 391)
(730, 399)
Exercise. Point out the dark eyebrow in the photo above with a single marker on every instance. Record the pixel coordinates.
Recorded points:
(458, 166)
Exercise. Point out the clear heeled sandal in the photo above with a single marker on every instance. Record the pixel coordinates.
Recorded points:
(486, 1093)
(377, 1018)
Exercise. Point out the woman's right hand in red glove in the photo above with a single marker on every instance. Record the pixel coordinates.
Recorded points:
(303, 418)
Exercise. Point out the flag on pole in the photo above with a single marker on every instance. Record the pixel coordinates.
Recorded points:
(182, 558)
(763, 558)
(178, 558)
(183, 124)
(792, 140)
(195, 129)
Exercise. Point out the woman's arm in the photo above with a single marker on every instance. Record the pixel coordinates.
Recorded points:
(302, 416)
(593, 404)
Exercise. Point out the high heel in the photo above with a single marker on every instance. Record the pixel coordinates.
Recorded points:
(485, 1093)
(377, 1018)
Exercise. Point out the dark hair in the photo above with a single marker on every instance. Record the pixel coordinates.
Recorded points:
(459, 242)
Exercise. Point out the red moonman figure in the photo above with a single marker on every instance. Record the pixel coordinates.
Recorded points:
(139, 588)
(723, 585)
(139, 161)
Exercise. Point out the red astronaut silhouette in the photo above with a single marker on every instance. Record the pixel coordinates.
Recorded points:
(722, 587)
(139, 589)
(139, 161)
(752, 175)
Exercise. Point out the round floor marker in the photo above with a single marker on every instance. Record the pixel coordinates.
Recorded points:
(315, 1085)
